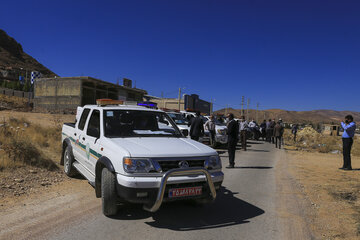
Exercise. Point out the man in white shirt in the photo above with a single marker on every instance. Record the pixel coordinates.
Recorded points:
(210, 125)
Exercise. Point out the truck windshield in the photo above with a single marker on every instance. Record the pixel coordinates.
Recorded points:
(134, 123)
(219, 123)
(178, 118)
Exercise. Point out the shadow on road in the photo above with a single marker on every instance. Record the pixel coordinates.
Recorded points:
(254, 167)
(251, 142)
(257, 150)
(227, 210)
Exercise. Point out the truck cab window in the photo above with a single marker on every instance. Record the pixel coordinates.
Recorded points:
(83, 118)
(94, 124)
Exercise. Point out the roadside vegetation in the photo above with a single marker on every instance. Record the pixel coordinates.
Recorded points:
(310, 140)
(333, 194)
(23, 143)
(12, 102)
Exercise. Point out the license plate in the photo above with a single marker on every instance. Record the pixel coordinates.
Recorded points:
(184, 192)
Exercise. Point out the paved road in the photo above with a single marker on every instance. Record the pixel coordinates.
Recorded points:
(245, 209)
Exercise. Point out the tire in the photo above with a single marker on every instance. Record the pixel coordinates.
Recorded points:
(68, 162)
(108, 193)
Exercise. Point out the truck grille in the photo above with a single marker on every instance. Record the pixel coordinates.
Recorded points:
(167, 165)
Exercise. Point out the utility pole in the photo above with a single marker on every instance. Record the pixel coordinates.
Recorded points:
(226, 109)
(247, 109)
(179, 98)
(257, 109)
(242, 106)
(211, 106)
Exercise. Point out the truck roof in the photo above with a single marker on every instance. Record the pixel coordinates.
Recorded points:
(122, 107)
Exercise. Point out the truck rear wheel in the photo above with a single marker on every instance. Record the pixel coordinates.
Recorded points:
(68, 162)
(108, 193)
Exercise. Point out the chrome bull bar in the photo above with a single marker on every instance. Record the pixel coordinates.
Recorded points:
(180, 172)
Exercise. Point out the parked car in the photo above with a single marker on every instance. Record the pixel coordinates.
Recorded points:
(180, 121)
(221, 137)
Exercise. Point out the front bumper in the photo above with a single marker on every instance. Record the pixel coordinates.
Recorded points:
(223, 139)
(152, 191)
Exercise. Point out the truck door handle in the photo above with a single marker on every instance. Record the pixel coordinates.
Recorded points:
(75, 134)
(83, 138)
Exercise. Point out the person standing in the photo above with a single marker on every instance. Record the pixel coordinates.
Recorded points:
(278, 133)
(196, 127)
(263, 130)
(272, 126)
(243, 130)
(268, 131)
(294, 130)
(210, 125)
(349, 127)
(233, 132)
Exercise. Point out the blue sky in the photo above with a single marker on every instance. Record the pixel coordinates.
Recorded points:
(294, 55)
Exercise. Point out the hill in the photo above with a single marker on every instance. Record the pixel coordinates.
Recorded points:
(13, 58)
(314, 116)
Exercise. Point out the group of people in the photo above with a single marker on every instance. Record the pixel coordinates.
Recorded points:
(272, 132)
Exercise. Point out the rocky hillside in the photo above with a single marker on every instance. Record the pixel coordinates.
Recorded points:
(315, 116)
(13, 58)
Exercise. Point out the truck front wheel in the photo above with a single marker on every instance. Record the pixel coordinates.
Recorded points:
(68, 162)
(108, 193)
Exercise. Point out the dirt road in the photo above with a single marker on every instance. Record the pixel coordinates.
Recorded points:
(259, 200)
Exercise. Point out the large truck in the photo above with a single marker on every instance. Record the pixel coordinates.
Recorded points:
(138, 155)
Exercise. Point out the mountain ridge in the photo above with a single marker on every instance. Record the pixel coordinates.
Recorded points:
(13, 59)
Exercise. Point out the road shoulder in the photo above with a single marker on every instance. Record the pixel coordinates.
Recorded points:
(292, 205)
(333, 194)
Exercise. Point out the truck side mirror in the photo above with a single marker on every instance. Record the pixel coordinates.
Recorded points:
(185, 132)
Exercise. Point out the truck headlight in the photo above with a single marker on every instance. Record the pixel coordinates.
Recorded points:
(138, 165)
(213, 162)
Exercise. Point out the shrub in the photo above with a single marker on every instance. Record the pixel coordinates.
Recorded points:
(24, 144)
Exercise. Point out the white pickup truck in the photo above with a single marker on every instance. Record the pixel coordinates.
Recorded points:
(221, 137)
(138, 155)
(180, 121)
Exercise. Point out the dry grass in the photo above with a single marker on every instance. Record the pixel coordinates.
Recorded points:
(334, 194)
(317, 142)
(12, 102)
(23, 143)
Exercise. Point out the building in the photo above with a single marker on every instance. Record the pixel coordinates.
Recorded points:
(169, 103)
(331, 129)
(188, 102)
(65, 94)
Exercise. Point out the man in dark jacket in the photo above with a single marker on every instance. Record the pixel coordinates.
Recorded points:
(233, 133)
(268, 131)
(278, 133)
(272, 126)
(196, 127)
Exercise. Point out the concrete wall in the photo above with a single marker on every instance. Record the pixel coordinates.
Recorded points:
(57, 94)
(11, 92)
(66, 94)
